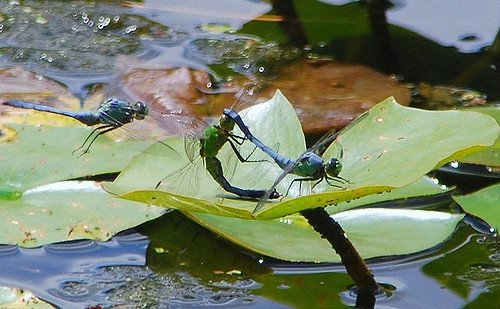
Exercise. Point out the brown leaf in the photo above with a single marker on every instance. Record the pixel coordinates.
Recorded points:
(327, 94)
(18, 83)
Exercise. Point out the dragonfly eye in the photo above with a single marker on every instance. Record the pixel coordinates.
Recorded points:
(226, 124)
(333, 167)
(141, 110)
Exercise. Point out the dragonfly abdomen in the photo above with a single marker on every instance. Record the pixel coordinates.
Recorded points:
(88, 118)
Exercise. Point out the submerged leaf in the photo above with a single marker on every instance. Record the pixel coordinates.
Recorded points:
(68, 210)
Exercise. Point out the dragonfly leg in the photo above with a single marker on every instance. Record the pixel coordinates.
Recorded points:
(238, 139)
(300, 180)
(101, 130)
(341, 180)
(214, 167)
(240, 157)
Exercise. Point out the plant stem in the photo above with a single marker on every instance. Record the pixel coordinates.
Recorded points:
(329, 229)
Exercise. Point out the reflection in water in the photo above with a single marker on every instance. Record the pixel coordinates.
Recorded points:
(87, 273)
(43, 270)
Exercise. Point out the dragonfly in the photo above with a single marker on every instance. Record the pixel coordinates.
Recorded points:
(206, 149)
(114, 113)
(309, 166)
(110, 115)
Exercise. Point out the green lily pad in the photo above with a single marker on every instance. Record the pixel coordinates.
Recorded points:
(484, 204)
(69, 210)
(373, 232)
(37, 155)
(286, 237)
(391, 147)
(489, 156)
(423, 187)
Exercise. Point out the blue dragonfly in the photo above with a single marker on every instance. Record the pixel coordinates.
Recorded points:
(309, 166)
(113, 113)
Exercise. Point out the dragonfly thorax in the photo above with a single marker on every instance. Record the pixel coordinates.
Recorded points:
(333, 167)
(118, 112)
(212, 140)
(310, 165)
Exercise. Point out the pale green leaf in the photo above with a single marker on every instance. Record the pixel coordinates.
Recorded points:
(489, 156)
(69, 210)
(391, 147)
(484, 204)
(38, 155)
(373, 232)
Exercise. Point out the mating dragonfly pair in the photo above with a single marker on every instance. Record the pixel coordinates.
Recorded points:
(310, 166)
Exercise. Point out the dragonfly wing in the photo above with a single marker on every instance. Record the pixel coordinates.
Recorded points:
(192, 147)
(321, 145)
(184, 181)
(246, 96)
(161, 147)
(287, 170)
(256, 168)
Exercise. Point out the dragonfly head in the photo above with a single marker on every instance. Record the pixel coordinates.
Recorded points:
(226, 123)
(141, 110)
(333, 167)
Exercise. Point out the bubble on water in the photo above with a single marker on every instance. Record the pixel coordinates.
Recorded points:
(40, 19)
(130, 29)
(454, 164)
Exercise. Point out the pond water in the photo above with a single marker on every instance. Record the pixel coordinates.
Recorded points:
(173, 262)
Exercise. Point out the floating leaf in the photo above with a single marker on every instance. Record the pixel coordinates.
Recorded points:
(423, 187)
(373, 232)
(489, 156)
(68, 210)
(38, 155)
(391, 147)
(484, 203)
